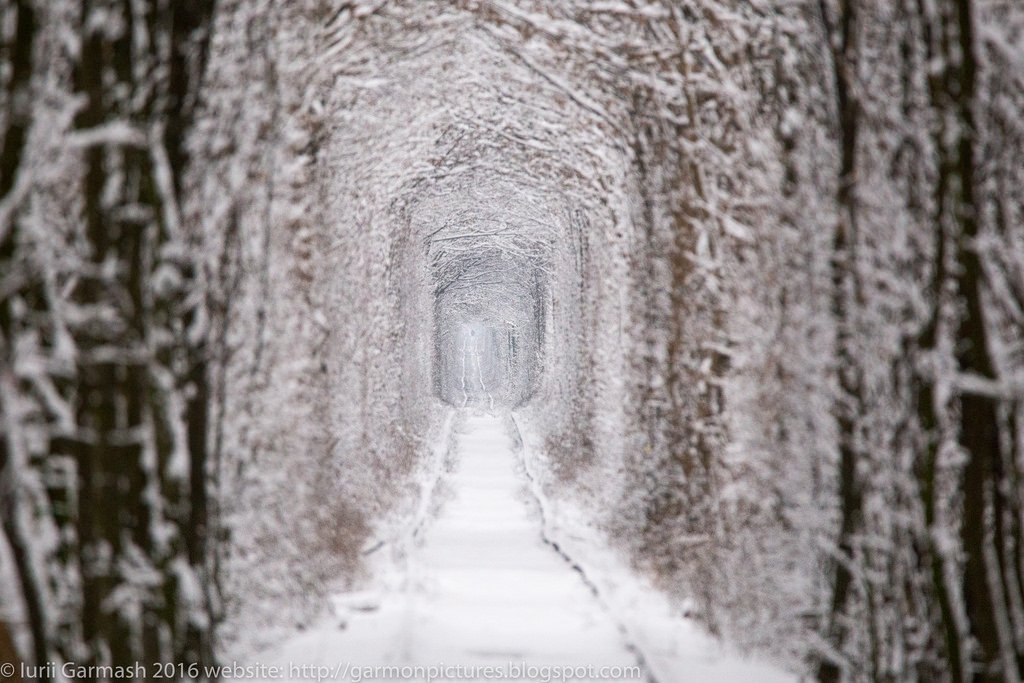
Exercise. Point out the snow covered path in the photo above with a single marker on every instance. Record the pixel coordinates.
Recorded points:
(490, 589)
(478, 588)
(482, 588)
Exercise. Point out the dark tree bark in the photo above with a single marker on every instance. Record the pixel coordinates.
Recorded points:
(841, 33)
(127, 382)
(979, 413)
(926, 407)
(132, 512)
(16, 52)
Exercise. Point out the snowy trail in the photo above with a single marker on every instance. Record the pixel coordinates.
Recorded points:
(480, 374)
(480, 587)
(492, 590)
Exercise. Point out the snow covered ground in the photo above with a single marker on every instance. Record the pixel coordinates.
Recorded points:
(480, 584)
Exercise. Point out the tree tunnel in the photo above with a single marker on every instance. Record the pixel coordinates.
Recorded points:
(501, 215)
(451, 241)
(490, 284)
(493, 256)
(272, 270)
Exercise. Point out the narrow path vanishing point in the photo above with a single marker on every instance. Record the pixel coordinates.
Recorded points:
(482, 589)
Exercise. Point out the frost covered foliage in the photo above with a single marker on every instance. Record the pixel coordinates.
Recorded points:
(881, 384)
(753, 273)
(400, 242)
(923, 582)
(288, 522)
(103, 389)
(557, 208)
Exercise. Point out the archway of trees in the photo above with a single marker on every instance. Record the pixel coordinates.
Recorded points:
(749, 277)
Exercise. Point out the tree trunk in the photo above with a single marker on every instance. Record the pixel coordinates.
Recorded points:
(842, 36)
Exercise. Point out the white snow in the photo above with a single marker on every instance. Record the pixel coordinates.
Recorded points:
(481, 586)
(673, 647)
